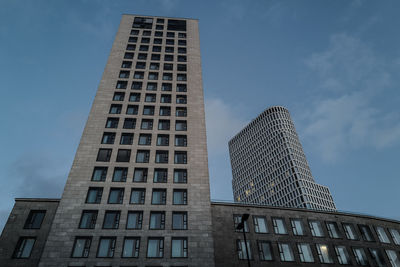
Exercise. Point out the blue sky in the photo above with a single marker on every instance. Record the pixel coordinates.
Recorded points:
(333, 64)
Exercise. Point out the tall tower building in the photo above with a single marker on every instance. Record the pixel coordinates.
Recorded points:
(138, 190)
(269, 165)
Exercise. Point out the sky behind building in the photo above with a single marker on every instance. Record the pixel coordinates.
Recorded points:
(333, 64)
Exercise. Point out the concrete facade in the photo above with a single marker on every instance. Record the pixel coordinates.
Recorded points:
(269, 165)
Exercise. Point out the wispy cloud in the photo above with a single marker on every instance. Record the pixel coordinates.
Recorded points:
(350, 77)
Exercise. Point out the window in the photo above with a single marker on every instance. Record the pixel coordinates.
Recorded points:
(180, 140)
(35, 219)
(265, 250)
(155, 66)
(132, 109)
(147, 124)
(160, 20)
(134, 32)
(166, 87)
(118, 96)
(159, 197)
(323, 253)
(157, 33)
(111, 219)
(137, 85)
(106, 247)
(285, 252)
(88, 219)
(162, 156)
(182, 35)
(241, 250)
(181, 42)
(260, 224)
(316, 228)
(131, 247)
(380, 231)
(279, 226)
(124, 74)
(142, 56)
(144, 139)
(305, 252)
(120, 174)
(297, 227)
(165, 111)
(167, 76)
(129, 123)
(360, 256)
(163, 140)
(121, 84)
(148, 110)
(115, 109)
(170, 42)
(134, 97)
(182, 58)
(140, 175)
(24, 247)
(395, 236)
(179, 197)
(151, 87)
(180, 157)
(99, 174)
(81, 247)
(130, 47)
(179, 220)
(160, 175)
(150, 98)
(181, 112)
(126, 139)
(155, 56)
(180, 125)
(138, 75)
(156, 48)
(135, 220)
(140, 65)
(112, 123)
(123, 155)
(377, 256)
(116, 196)
(181, 99)
(146, 33)
(342, 255)
(157, 220)
(153, 76)
(144, 47)
(179, 247)
(132, 39)
(142, 156)
(127, 64)
(155, 247)
(128, 55)
(333, 229)
(168, 66)
(180, 176)
(163, 125)
(181, 77)
(108, 138)
(366, 233)
(94, 195)
(393, 257)
(157, 41)
(138, 195)
(176, 25)
(165, 99)
(236, 220)
(350, 231)
(170, 34)
(181, 88)
(182, 50)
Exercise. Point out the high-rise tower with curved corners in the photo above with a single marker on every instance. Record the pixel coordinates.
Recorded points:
(269, 165)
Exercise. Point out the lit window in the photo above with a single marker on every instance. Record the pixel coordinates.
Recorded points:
(24, 247)
(35, 219)
(323, 253)
(106, 247)
(81, 247)
(131, 247)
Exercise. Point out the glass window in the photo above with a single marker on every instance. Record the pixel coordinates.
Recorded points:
(81, 247)
(108, 138)
(116, 196)
(153, 76)
(137, 196)
(165, 99)
(350, 231)
(180, 140)
(360, 256)
(181, 88)
(163, 125)
(137, 85)
(150, 98)
(138, 75)
(316, 228)
(128, 55)
(342, 255)
(393, 258)
(24, 247)
(238, 219)
(157, 41)
(279, 226)
(170, 41)
(157, 220)
(134, 220)
(155, 247)
(118, 96)
(180, 125)
(382, 234)
(148, 110)
(165, 111)
(162, 140)
(181, 99)
(147, 124)
(179, 220)
(182, 35)
(126, 139)
(180, 157)
(155, 56)
(265, 250)
(99, 174)
(162, 156)
(181, 112)
(155, 66)
(140, 175)
(333, 229)
(260, 224)
(130, 47)
(395, 236)
(144, 47)
(160, 175)
(104, 154)
(166, 87)
(111, 219)
(241, 249)
(168, 66)
(134, 32)
(120, 174)
(182, 58)
(168, 57)
(182, 50)
(35, 219)
(94, 195)
(305, 252)
(170, 34)
(181, 77)
(179, 247)
(127, 64)
(377, 256)
(180, 176)
(297, 226)
(123, 155)
(159, 197)
(169, 49)
(132, 109)
(131, 247)
(181, 42)
(88, 219)
(366, 233)
(144, 139)
(129, 123)
(132, 39)
(179, 197)
(112, 123)
(323, 253)
(142, 156)
(285, 252)
(140, 65)
(142, 56)
(106, 247)
(156, 48)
